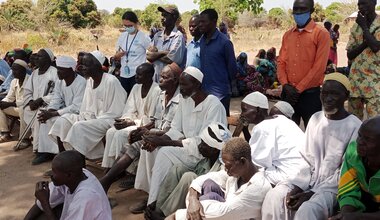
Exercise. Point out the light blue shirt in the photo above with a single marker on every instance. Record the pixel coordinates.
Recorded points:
(4, 69)
(194, 54)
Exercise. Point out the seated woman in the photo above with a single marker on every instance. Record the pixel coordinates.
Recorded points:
(234, 193)
(244, 69)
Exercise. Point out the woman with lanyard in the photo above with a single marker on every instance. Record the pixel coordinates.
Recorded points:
(131, 50)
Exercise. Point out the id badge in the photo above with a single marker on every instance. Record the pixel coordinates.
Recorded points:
(126, 70)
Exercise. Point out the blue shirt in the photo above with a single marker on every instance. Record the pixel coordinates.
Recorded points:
(194, 54)
(218, 64)
(4, 69)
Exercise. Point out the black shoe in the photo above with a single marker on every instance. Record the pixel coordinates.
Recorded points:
(42, 158)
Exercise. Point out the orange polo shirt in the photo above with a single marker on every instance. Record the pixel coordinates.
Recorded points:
(303, 57)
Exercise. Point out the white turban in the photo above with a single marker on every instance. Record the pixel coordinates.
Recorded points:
(256, 99)
(221, 133)
(66, 62)
(50, 53)
(21, 63)
(99, 56)
(285, 108)
(194, 72)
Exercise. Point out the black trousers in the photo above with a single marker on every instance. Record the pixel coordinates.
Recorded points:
(308, 103)
(127, 83)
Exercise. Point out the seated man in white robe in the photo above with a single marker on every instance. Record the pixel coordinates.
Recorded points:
(275, 141)
(74, 193)
(172, 193)
(67, 98)
(234, 193)
(165, 109)
(103, 101)
(139, 109)
(311, 194)
(196, 111)
(38, 90)
(12, 104)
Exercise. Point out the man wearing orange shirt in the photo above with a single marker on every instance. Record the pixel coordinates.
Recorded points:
(302, 62)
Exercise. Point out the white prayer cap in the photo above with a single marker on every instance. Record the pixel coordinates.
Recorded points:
(285, 108)
(21, 63)
(256, 99)
(66, 62)
(99, 56)
(50, 53)
(194, 72)
(221, 133)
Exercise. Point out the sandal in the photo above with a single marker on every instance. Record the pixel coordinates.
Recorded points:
(127, 183)
(5, 138)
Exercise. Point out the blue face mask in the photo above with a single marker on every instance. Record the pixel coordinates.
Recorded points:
(130, 30)
(301, 19)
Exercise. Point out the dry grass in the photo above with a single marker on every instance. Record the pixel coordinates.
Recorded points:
(249, 40)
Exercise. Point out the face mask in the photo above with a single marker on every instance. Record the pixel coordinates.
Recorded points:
(301, 19)
(130, 30)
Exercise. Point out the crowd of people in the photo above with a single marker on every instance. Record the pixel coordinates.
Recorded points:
(161, 117)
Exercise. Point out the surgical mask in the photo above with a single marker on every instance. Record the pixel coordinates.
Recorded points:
(130, 30)
(301, 19)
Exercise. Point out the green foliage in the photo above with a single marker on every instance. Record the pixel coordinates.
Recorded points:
(229, 10)
(378, 8)
(14, 15)
(80, 13)
(150, 16)
(277, 16)
(36, 41)
(319, 13)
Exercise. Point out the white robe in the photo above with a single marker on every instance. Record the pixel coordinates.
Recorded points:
(138, 109)
(241, 203)
(188, 122)
(66, 99)
(87, 202)
(100, 107)
(326, 142)
(36, 87)
(275, 147)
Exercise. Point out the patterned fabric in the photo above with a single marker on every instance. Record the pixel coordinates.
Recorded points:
(353, 185)
(356, 106)
(365, 69)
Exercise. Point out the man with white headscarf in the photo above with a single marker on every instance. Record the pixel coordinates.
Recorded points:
(12, 103)
(67, 98)
(173, 190)
(195, 112)
(103, 102)
(38, 90)
(282, 108)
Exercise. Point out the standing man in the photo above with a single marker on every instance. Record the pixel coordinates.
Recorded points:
(218, 62)
(168, 45)
(363, 49)
(302, 62)
(193, 56)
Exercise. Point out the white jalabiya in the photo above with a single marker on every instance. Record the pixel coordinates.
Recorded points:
(241, 203)
(66, 99)
(138, 109)
(87, 202)
(188, 122)
(36, 87)
(275, 146)
(100, 107)
(326, 142)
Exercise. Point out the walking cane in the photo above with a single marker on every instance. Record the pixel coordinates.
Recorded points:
(48, 90)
